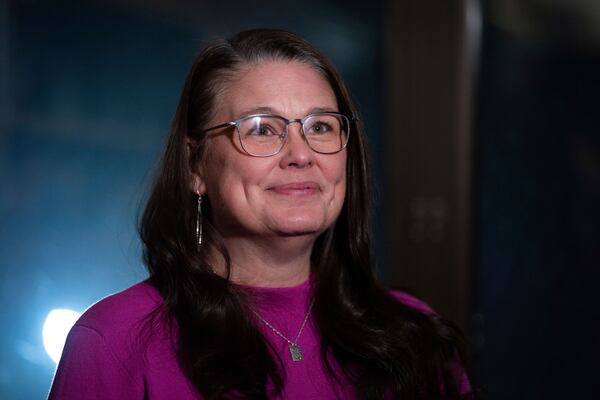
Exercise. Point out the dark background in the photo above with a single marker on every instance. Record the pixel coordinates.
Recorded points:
(88, 89)
(537, 200)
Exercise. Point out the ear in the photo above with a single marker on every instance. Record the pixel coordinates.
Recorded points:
(197, 184)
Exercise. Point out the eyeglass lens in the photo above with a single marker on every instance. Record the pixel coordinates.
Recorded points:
(265, 135)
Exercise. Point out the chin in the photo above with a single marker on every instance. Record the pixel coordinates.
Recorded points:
(301, 222)
(301, 228)
(296, 231)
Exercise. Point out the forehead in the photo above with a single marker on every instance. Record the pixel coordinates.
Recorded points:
(292, 89)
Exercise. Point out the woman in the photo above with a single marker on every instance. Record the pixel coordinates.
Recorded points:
(258, 242)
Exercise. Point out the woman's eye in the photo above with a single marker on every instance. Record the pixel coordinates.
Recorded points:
(320, 127)
(263, 130)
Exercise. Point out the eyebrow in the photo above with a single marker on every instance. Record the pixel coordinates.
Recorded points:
(269, 110)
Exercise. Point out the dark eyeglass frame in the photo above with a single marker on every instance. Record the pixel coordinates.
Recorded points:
(284, 135)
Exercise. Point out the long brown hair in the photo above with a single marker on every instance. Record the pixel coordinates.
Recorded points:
(382, 346)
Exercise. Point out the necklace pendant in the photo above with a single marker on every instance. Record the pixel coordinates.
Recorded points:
(296, 352)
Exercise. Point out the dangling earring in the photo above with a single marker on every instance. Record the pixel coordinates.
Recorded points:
(199, 222)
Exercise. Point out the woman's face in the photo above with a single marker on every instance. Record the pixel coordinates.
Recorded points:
(295, 192)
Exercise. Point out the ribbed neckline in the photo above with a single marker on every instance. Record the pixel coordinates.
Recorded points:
(280, 298)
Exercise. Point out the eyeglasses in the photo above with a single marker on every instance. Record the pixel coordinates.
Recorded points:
(264, 135)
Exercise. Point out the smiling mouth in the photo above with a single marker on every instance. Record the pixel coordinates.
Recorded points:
(296, 188)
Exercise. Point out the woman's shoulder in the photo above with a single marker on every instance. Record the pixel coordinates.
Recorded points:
(121, 312)
(117, 350)
(411, 301)
(457, 370)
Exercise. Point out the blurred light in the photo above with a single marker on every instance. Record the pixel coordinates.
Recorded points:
(57, 325)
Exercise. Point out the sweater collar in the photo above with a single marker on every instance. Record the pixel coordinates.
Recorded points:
(267, 299)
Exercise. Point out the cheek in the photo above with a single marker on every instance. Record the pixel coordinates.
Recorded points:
(234, 178)
(339, 169)
(335, 173)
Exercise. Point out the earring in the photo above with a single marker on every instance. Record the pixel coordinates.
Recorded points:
(199, 222)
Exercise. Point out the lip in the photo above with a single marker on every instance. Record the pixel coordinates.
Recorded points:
(296, 188)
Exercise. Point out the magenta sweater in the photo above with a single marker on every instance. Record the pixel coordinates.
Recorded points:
(107, 356)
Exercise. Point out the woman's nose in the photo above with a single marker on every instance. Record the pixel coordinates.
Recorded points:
(296, 151)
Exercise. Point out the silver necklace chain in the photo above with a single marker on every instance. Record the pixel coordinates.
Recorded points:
(295, 350)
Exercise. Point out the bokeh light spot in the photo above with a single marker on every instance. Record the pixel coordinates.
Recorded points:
(56, 327)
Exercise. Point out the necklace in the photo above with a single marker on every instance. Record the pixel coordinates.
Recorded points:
(295, 350)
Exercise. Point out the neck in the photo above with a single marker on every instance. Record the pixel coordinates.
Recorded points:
(282, 262)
